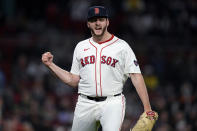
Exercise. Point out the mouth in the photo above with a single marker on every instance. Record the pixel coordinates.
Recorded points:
(98, 28)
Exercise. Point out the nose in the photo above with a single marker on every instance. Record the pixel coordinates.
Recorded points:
(97, 22)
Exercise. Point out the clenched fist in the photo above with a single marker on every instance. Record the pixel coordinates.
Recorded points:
(47, 58)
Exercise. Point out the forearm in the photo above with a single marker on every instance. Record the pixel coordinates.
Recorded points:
(65, 76)
(138, 82)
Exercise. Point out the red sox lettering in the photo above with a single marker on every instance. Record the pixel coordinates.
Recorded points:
(108, 61)
(104, 60)
(88, 60)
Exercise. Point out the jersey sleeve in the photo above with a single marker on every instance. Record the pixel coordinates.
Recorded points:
(131, 63)
(75, 63)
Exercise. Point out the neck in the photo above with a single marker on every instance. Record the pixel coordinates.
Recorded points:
(102, 38)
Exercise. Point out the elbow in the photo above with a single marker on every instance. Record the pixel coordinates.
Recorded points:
(74, 85)
(71, 84)
(73, 80)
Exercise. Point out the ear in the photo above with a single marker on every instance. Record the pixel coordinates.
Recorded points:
(107, 22)
(88, 25)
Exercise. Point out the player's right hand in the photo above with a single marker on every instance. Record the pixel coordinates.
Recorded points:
(47, 58)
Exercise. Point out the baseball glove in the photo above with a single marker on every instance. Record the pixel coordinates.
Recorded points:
(146, 121)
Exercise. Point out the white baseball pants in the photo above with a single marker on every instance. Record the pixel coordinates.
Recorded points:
(88, 113)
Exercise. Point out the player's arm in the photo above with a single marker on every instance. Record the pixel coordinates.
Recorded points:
(67, 77)
(138, 82)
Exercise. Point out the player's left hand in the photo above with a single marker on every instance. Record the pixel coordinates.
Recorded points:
(146, 122)
(152, 115)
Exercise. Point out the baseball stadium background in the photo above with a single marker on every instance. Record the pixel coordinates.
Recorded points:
(162, 33)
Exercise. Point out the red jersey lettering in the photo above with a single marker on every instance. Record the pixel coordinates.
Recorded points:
(86, 60)
(103, 59)
(92, 59)
(82, 63)
(114, 62)
(109, 60)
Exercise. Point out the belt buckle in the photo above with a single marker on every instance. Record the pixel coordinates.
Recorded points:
(97, 99)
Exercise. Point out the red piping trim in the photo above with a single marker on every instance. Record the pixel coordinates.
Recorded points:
(106, 40)
(100, 62)
(95, 67)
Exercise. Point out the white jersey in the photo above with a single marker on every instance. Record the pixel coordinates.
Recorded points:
(103, 68)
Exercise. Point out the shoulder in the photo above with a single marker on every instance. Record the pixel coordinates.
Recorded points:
(82, 43)
(86, 41)
(124, 44)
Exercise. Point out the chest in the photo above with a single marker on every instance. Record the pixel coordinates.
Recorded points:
(110, 55)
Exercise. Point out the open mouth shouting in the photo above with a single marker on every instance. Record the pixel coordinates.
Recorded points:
(98, 30)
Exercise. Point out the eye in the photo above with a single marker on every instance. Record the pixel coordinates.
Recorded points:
(101, 19)
(92, 20)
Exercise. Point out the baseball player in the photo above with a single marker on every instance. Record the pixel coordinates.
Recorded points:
(100, 67)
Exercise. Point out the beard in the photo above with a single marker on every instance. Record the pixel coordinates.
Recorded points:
(103, 30)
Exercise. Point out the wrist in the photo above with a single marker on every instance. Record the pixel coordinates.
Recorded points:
(50, 65)
(146, 109)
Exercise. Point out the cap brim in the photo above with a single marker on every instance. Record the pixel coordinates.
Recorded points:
(93, 17)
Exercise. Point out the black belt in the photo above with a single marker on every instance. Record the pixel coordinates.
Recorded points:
(97, 99)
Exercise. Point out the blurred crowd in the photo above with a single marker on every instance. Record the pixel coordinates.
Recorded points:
(162, 33)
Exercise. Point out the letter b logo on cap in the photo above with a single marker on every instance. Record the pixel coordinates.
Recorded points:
(96, 10)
